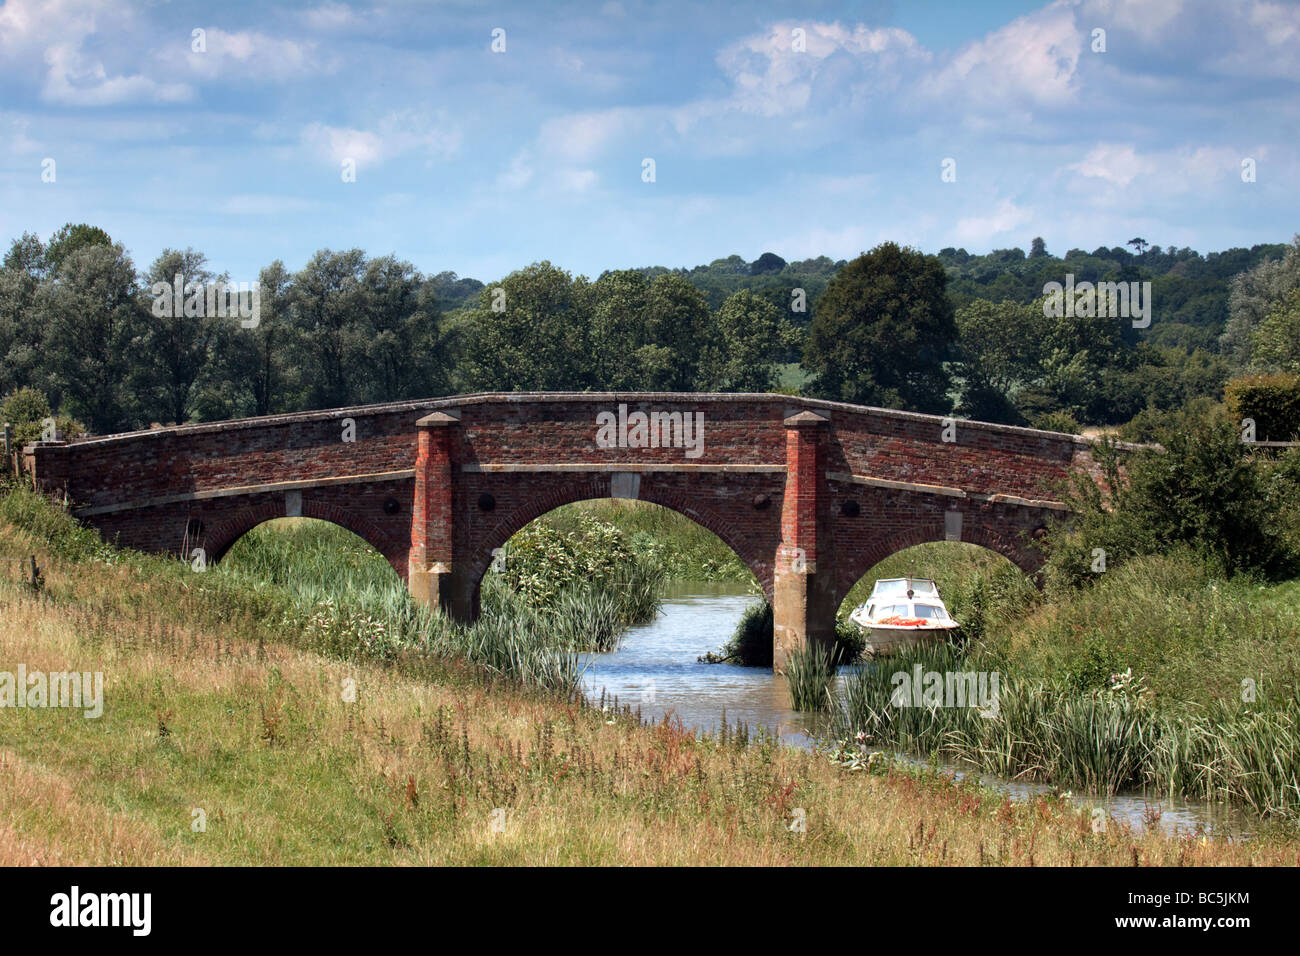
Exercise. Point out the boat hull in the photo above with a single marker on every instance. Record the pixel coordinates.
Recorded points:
(883, 640)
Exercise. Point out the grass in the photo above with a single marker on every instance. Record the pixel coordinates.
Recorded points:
(211, 707)
(228, 697)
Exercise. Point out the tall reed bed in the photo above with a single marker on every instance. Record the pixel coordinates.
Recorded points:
(558, 595)
(809, 673)
(1101, 740)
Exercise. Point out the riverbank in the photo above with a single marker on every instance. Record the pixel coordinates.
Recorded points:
(213, 705)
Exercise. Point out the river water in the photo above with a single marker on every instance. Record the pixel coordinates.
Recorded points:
(656, 669)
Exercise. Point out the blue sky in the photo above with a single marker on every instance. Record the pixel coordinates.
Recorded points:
(481, 162)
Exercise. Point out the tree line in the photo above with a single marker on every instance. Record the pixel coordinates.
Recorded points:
(81, 334)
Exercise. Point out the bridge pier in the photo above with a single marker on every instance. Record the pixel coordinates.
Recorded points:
(434, 575)
(803, 586)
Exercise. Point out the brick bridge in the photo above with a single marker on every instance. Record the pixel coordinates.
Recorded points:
(810, 494)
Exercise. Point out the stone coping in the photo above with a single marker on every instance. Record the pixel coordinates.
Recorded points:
(792, 406)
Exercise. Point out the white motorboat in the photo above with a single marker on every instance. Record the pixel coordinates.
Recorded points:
(902, 612)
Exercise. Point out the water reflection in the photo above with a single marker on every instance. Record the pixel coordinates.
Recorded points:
(657, 670)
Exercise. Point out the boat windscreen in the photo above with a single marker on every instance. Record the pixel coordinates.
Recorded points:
(891, 588)
(929, 611)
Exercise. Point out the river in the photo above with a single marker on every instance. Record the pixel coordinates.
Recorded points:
(656, 668)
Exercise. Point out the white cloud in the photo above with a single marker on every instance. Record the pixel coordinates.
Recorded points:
(978, 230)
(253, 54)
(397, 134)
(1033, 58)
(330, 16)
(255, 204)
(337, 144)
(1115, 163)
(50, 38)
(519, 173)
(771, 77)
(580, 137)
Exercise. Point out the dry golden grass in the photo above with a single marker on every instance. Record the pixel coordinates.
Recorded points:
(256, 733)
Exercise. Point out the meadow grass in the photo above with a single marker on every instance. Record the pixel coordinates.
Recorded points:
(217, 713)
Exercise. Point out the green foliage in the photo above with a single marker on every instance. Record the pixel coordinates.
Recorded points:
(94, 326)
(751, 643)
(537, 338)
(71, 238)
(1058, 422)
(26, 410)
(998, 354)
(882, 332)
(1276, 341)
(742, 353)
(1205, 490)
(545, 567)
(1255, 293)
(663, 540)
(1272, 401)
(809, 673)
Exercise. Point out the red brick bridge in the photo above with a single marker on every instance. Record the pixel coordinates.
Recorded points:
(810, 494)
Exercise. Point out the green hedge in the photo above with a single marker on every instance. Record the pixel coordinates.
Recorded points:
(1273, 401)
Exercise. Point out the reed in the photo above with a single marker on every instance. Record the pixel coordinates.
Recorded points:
(809, 673)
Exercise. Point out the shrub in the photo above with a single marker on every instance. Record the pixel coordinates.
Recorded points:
(26, 410)
(1273, 401)
(1058, 422)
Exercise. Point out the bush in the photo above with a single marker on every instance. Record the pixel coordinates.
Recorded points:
(26, 410)
(1058, 422)
(1273, 401)
(751, 644)
(1205, 490)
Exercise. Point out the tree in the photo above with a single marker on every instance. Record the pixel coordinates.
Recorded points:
(530, 332)
(250, 371)
(998, 353)
(1276, 341)
(326, 304)
(1255, 293)
(619, 318)
(95, 324)
(176, 345)
(1137, 243)
(743, 346)
(767, 262)
(21, 329)
(677, 316)
(69, 239)
(1037, 248)
(883, 330)
(401, 352)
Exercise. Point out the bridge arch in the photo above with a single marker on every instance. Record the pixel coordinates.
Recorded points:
(596, 489)
(983, 535)
(218, 539)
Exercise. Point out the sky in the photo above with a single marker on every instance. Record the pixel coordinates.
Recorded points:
(804, 129)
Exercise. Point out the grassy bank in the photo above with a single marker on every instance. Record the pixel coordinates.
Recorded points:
(1163, 674)
(216, 702)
